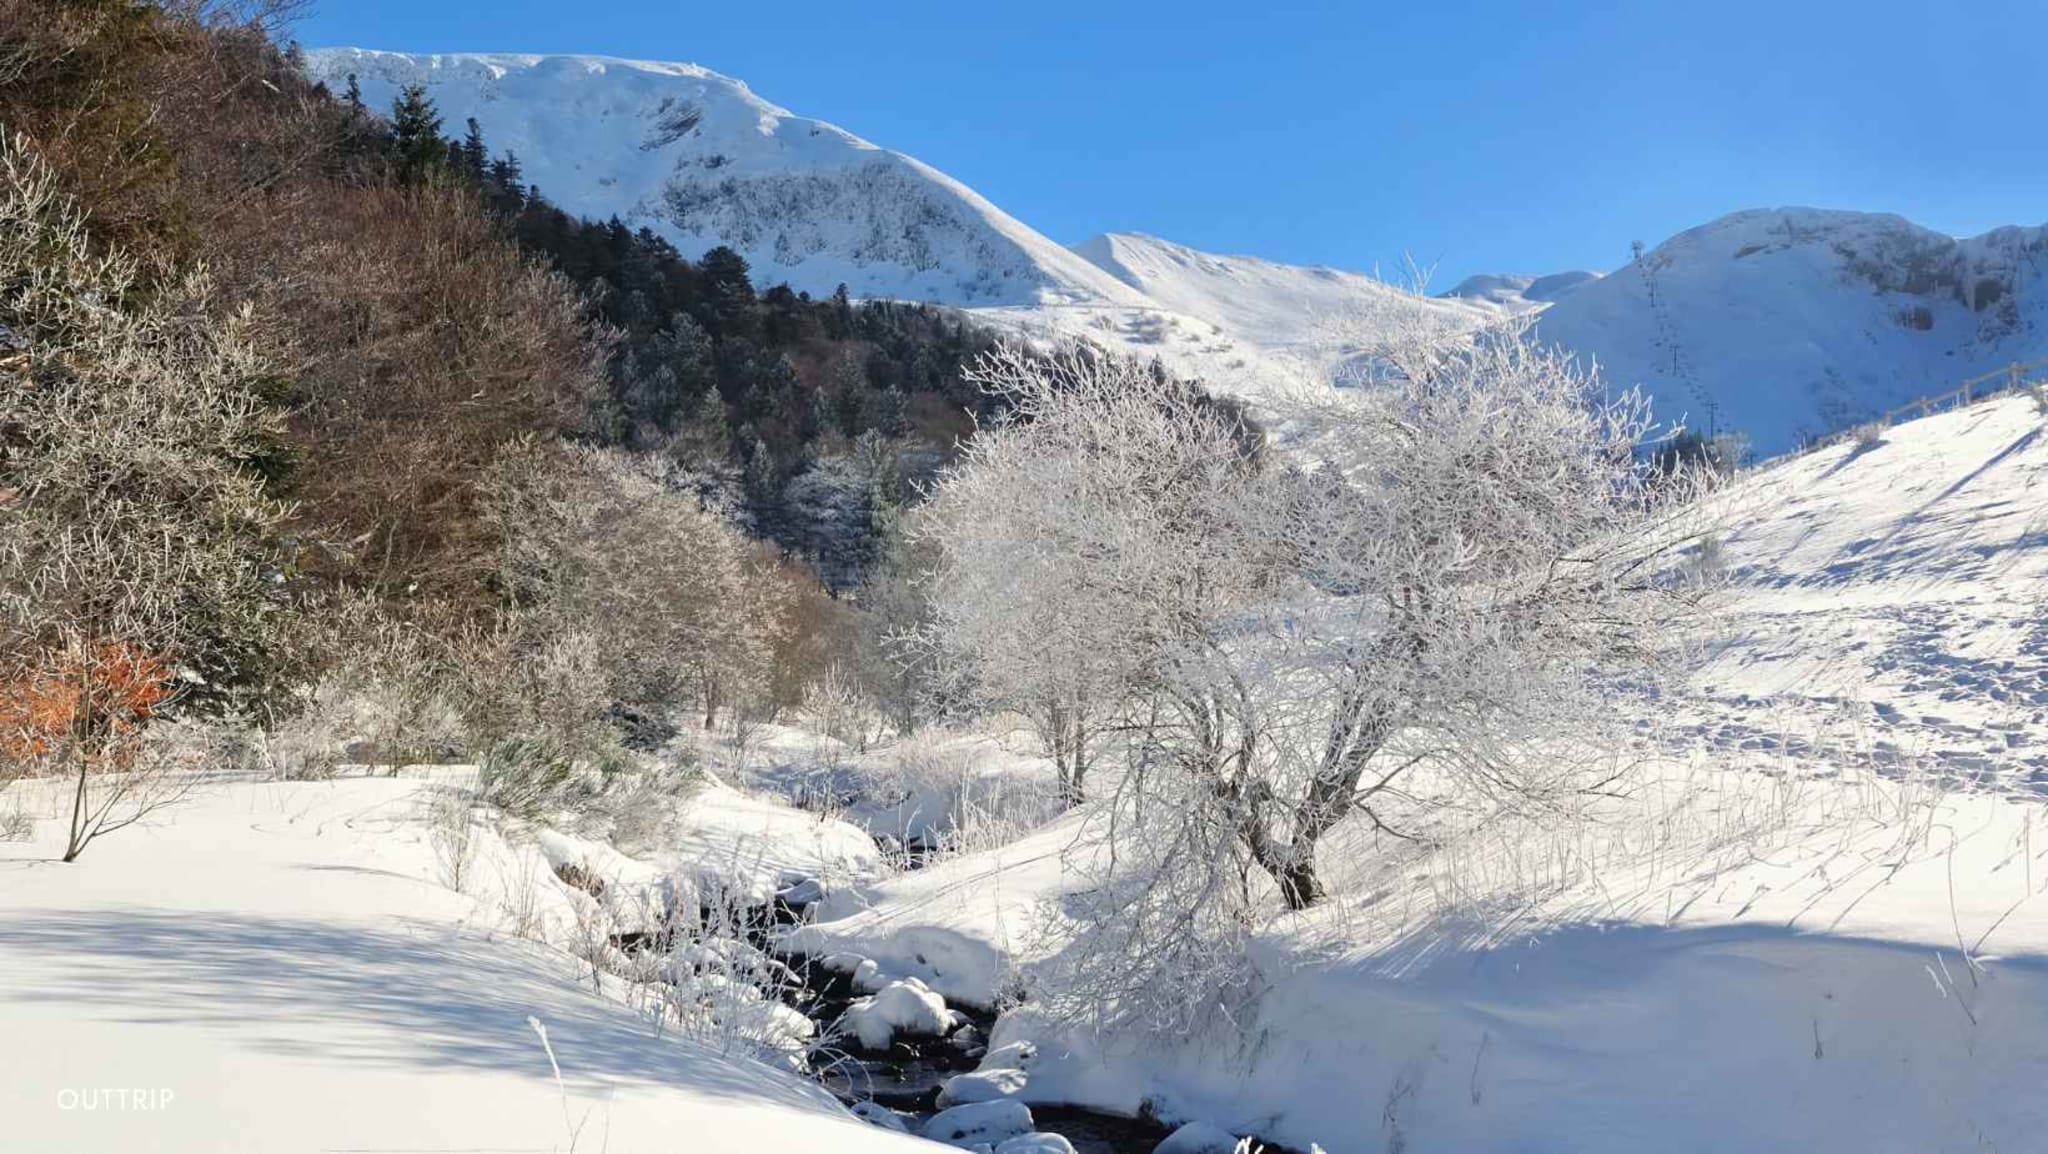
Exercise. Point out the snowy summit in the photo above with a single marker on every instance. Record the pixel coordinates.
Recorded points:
(700, 159)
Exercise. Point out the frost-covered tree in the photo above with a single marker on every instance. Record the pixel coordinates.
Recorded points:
(139, 568)
(1071, 535)
(1444, 571)
(601, 543)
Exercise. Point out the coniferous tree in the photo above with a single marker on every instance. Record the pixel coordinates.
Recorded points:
(475, 158)
(416, 145)
(354, 96)
(727, 273)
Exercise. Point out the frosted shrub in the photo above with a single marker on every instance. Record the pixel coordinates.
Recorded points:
(524, 776)
(17, 825)
(452, 828)
(721, 990)
(947, 799)
(641, 809)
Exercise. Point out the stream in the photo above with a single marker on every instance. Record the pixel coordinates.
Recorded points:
(901, 1082)
(907, 1076)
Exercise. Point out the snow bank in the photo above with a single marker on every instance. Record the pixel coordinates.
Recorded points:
(282, 966)
(961, 926)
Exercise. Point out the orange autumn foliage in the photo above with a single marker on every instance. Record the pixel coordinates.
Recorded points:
(111, 692)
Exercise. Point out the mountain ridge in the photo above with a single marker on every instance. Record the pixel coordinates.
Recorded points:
(704, 160)
(1782, 323)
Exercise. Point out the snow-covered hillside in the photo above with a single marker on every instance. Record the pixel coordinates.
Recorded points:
(703, 161)
(1786, 323)
(1272, 306)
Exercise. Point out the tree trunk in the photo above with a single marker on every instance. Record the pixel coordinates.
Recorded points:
(75, 844)
(1333, 794)
(1300, 888)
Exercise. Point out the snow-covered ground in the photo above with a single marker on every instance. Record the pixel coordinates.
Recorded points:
(284, 967)
(1815, 922)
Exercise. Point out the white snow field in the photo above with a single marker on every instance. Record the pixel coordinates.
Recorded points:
(1813, 922)
(279, 967)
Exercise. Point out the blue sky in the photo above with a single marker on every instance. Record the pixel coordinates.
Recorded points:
(1476, 135)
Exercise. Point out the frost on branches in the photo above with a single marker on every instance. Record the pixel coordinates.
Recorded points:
(139, 570)
(1454, 565)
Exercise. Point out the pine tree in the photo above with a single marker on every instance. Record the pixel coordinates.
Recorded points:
(416, 145)
(475, 157)
(732, 292)
(839, 321)
(354, 95)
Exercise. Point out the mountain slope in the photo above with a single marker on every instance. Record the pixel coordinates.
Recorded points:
(703, 161)
(1786, 323)
(1519, 292)
(1277, 307)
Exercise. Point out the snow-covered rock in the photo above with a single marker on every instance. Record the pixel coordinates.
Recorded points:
(983, 1086)
(882, 1116)
(992, 1123)
(863, 972)
(905, 1007)
(1198, 1138)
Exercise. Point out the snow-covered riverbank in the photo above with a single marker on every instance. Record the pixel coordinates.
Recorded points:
(280, 966)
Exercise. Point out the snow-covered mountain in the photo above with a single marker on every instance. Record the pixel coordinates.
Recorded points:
(703, 161)
(1517, 293)
(1779, 323)
(1783, 323)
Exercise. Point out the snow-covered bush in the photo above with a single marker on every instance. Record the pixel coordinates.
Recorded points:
(452, 829)
(525, 776)
(947, 791)
(388, 692)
